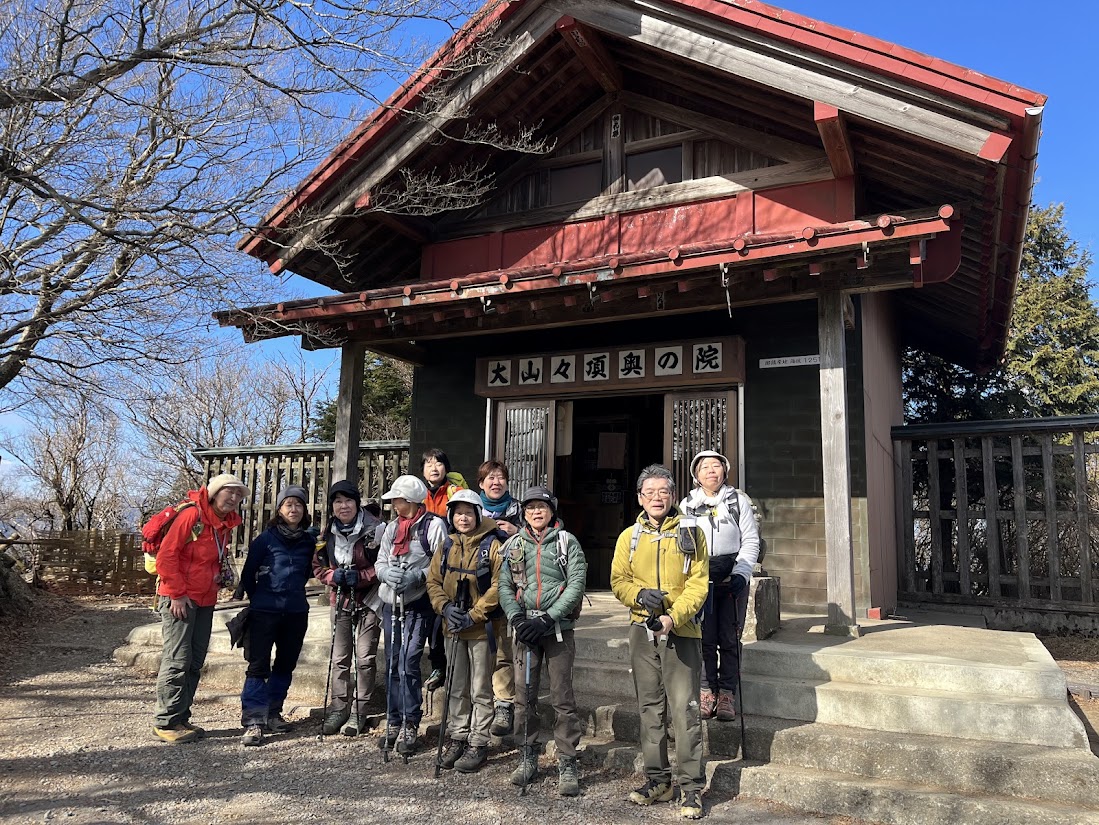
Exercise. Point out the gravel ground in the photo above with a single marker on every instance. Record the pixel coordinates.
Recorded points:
(76, 747)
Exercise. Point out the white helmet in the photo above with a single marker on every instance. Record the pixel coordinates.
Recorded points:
(708, 454)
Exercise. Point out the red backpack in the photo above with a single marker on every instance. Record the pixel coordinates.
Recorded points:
(154, 530)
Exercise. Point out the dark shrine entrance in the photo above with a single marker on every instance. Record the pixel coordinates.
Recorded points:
(613, 438)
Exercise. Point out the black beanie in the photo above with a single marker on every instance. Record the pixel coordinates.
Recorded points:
(344, 488)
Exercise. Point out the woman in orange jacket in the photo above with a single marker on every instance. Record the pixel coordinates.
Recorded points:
(189, 564)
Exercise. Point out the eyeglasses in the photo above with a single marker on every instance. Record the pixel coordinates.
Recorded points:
(665, 494)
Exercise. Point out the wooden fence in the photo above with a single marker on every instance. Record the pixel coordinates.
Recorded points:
(87, 561)
(1000, 514)
(266, 470)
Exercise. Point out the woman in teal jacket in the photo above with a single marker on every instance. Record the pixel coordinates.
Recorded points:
(541, 587)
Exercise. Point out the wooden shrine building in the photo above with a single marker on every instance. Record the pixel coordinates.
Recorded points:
(744, 217)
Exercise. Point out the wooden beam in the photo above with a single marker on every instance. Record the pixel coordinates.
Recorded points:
(787, 69)
(837, 466)
(771, 146)
(349, 408)
(833, 134)
(614, 152)
(590, 50)
(413, 228)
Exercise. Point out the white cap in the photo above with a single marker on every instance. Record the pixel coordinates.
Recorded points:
(409, 488)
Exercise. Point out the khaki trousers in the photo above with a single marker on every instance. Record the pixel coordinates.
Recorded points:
(667, 678)
(470, 711)
(558, 658)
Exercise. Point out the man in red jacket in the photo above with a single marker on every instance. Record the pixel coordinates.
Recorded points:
(189, 564)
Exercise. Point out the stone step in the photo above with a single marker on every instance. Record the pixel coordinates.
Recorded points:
(884, 800)
(1032, 673)
(964, 715)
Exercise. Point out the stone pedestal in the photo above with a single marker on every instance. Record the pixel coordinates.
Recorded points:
(763, 608)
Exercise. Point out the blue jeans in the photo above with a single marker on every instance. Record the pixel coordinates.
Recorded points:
(404, 647)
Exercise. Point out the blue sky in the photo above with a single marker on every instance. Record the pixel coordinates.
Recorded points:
(1043, 49)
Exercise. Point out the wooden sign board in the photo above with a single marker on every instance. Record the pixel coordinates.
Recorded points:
(697, 363)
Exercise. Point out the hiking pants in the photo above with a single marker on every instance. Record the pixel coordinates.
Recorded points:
(503, 674)
(559, 657)
(666, 677)
(356, 633)
(185, 643)
(470, 713)
(722, 616)
(266, 686)
(404, 647)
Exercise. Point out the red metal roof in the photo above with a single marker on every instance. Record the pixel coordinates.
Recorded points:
(848, 46)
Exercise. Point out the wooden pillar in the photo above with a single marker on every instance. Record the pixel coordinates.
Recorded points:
(837, 466)
(349, 413)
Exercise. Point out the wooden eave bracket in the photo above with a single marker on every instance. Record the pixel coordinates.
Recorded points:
(833, 134)
(589, 49)
(936, 260)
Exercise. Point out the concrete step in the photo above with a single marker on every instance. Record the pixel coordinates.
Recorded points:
(1026, 668)
(883, 800)
(1060, 775)
(990, 718)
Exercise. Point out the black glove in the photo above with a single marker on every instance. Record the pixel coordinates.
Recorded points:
(738, 585)
(342, 577)
(721, 567)
(652, 599)
(518, 624)
(533, 630)
(451, 612)
(459, 621)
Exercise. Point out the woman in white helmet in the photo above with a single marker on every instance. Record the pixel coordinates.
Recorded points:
(727, 519)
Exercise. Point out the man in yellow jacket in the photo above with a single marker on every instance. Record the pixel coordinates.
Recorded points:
(661, 572)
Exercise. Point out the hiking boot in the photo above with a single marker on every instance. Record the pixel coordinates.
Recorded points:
(435, 680)
(472, 759)
(453, 750)
(334, 721)
(408, 741)
(503, 719)
(527, 769)
(707, 701)
(355, 726)
(389, 737)
(277, 724)
(199, 732)
(568, 777)
(726, 707)
(175, 735)
(690, 805)
(252, 736)
(652, 791)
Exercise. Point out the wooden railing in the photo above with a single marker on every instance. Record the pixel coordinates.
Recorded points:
(999, 513)
(266, 470)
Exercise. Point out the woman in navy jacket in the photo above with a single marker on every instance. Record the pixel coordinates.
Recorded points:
(279, 564)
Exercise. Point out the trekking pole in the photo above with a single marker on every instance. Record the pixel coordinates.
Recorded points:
(390, 655)
(331, 650)
(355, 616)
(446, 706)
(739, 687)
(526, 716)
(402, 674)
(462, 600)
